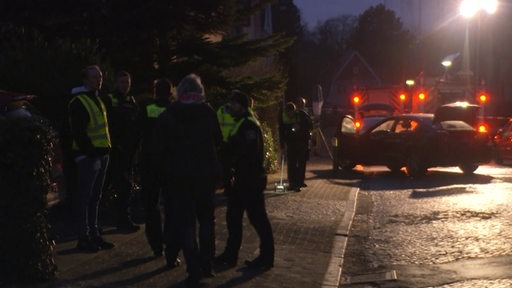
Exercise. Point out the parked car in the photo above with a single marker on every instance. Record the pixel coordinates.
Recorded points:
(18, 105)
(415, 141)
(503, 143)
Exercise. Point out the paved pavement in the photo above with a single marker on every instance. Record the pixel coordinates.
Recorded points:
(310, 230)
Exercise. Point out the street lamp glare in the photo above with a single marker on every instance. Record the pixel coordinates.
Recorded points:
(446, 63)
(468, 8)
(491, 6)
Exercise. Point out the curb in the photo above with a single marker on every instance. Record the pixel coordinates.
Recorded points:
(334, 271)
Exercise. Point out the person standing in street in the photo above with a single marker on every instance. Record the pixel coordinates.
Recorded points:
(91, 147)
(150, 187)
(226, 123)
(294, 134)
(249, 181)
(122, 112)
(307, 122)
(187, 142)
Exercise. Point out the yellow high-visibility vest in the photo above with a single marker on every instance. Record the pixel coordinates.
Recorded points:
(239, 123)
(97, 128)
(226, 123)
(154, 110)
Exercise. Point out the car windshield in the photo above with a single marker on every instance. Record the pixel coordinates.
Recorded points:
(368, 122)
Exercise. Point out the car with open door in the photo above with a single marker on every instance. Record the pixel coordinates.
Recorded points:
(414, 141)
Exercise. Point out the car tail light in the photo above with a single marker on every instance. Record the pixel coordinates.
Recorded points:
(358, 124)
(482, 128)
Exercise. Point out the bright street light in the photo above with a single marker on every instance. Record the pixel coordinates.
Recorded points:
(446, 63)
(448, 60)
(490, 6)
(469, 8)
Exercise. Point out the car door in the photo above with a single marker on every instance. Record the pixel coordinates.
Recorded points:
(347, 138)
(374, 146)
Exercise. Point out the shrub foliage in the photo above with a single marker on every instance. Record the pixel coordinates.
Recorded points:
(26, 252)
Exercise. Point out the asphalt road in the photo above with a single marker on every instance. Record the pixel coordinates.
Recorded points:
(445, 230)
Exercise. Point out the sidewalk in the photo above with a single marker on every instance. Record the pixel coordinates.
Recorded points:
(310, 232)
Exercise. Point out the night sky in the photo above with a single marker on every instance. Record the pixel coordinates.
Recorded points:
(313, 11)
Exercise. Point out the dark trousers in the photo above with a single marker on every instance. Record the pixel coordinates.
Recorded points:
(188, 200)
(297, 156)
(90, 179)
(121, 178)
(248, 196)
(151, 190)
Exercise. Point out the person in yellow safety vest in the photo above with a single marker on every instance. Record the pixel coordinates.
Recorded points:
(246, 157)
(150, 187)
(226, 121)
(91, 147)
(294, 133)
(226, 124)
(122, 118)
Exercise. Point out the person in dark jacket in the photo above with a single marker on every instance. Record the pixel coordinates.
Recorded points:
(150, 187)
(249, 182)
(294, 134)
(122, 117)
(187, 141)
(91, 147)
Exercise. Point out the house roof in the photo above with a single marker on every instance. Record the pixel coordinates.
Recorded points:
(348, 59)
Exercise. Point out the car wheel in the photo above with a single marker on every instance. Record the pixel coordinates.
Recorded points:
(468, 168)
(339, 161)
(335, 162)
(347, 164)
(415, 166)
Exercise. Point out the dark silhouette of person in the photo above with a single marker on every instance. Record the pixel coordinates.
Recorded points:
(122, 117)
(187, 144)
(295, 127)
(249, 181)
(150, 187)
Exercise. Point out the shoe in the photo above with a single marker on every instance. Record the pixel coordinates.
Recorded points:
(303, 185)
(227, 259)
(260, 263)
(171, 264)
(296, 189)
(128, 227)
(102, 244)
(85, 244)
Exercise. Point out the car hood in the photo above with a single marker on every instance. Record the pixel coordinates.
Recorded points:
(462, 111)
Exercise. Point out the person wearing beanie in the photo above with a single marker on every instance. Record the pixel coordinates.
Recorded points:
(246, 148)
(186, 144)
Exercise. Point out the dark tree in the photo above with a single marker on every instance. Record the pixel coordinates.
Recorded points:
(156, 38)
(381, 39)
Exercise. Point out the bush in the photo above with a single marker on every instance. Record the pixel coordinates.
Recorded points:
(270, 160)
(26, 252)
